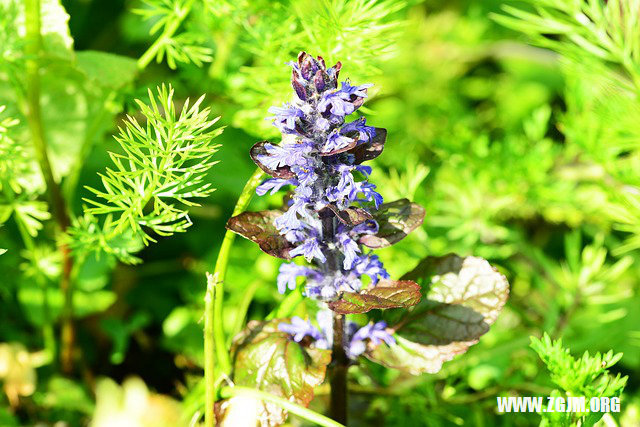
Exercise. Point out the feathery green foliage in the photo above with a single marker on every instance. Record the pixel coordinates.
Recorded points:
(587, 376)
(604, 30)
(176, 46)
(161, 170)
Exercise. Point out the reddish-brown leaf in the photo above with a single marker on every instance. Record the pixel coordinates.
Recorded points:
(396, 220)
(462, 299)
(259, 228)
(387, 294)
(269, 360)
(350, 216)
(372, 149)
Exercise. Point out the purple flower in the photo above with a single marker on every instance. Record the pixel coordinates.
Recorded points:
(336, 141)
(370, 265)
(354, 340)
(306, 174)
(368, 227)
(286, 154)
(359, 127)
(300, 329)
(344, 101)
(310, 249)
(350, 249)
(375, 332)
(288, 275)
(273, 184)
(369, 194)
(285, 118)
(313, 127)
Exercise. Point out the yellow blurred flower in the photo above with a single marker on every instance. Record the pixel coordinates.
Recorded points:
(133, 405)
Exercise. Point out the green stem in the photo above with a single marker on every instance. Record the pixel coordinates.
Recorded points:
(300, 411)
(166, 35)
(214, 336)
(209, 353)
(33, 50)
(48, 334)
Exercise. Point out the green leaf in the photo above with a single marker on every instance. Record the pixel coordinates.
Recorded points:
(40, 311)
(93, 272)
(270, 360)
(396, 220)
(162, 168)
(31, 214)
(56, 36)
(259, 227)
(106, 69)
(386, 294)
(462, 298)
(63, 393)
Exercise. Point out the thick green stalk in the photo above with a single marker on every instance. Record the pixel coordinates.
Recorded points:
(299, 410)
(214, 336)
(33, 50)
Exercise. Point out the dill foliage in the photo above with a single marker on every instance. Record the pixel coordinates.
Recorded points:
(161, 169)
(586, 376)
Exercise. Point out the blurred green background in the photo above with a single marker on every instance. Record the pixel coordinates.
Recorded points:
(523, 155)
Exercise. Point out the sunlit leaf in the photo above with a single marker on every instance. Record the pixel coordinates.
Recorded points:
(259, 228)
(271, 361)
(462, 298)
(106, 69)
(386, 294)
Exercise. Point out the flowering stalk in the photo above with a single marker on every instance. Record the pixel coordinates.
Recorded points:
(332, 215)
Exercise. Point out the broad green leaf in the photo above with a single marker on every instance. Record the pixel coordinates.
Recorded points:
(259, 228)
(386, 294)
(270, 360)
(38, 310)
(396, 220)
(106, 69)
(93, 271)
(56, 36)
(462, 298)
(63, 393)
